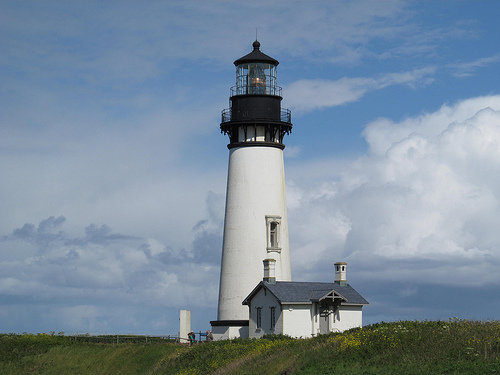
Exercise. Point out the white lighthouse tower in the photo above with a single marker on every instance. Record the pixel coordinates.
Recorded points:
(256, 225)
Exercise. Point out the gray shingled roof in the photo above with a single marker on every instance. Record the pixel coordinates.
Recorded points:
(290, 291)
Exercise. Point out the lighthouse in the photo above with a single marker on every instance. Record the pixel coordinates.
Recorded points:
(255, 224)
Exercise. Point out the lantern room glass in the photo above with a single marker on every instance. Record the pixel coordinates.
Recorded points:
(256, 78)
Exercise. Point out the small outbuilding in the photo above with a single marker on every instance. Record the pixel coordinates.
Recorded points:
(303, 309)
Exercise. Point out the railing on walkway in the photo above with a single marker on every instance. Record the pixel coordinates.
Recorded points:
(267, 89)
(285, 115)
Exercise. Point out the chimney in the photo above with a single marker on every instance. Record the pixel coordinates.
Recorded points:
(341, 273)
(269, 271)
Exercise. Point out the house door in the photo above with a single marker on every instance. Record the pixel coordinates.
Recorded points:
(324, 318)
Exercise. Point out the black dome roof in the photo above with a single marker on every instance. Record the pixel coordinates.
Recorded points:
(256, 56)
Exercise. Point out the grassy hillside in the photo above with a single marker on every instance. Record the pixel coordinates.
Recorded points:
(451, 347)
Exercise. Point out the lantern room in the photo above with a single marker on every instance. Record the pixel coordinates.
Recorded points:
(255, 113)
(256, 74)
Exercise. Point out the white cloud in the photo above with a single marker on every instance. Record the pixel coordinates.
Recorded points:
(381, 134)
(467, 69)
(126, 41)
(429, 191)
(80, 278)
(307, 95)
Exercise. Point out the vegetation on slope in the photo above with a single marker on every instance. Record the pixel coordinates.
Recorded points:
(451, 347)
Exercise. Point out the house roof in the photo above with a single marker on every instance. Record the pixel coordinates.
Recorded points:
(300, 292)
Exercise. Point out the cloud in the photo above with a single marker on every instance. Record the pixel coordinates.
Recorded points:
(467, 69)
(382, 133)
(106, 46)
(422, 206)
(308, 95)
(82, 277)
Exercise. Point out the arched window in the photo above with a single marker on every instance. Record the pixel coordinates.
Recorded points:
(273, 234)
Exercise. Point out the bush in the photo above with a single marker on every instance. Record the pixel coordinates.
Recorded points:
(13, 346)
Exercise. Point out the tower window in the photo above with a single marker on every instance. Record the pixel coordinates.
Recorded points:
(273, 234)
(273, 224)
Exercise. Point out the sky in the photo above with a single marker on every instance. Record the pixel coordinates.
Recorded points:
(113, 168)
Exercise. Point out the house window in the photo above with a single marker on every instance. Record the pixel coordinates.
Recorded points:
(259, 317)
(273, 233)
(273, 317)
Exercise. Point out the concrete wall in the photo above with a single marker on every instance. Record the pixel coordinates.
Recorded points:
(184, 325)
(226, 332)
(347, 317)
(255, 189)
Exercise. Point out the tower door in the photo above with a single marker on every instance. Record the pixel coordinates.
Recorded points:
(324, 317)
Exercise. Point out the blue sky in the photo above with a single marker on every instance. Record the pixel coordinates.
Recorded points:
(113, 167)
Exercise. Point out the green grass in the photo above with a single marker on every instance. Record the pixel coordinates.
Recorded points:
(430, 347)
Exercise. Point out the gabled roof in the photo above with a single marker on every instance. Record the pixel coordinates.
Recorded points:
(300, 292)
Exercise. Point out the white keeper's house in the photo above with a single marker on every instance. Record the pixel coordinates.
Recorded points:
(303, 309)
(256, 291)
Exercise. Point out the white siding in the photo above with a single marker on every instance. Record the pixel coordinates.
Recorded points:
(265, 300)
(347, 317)
(297, 320)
